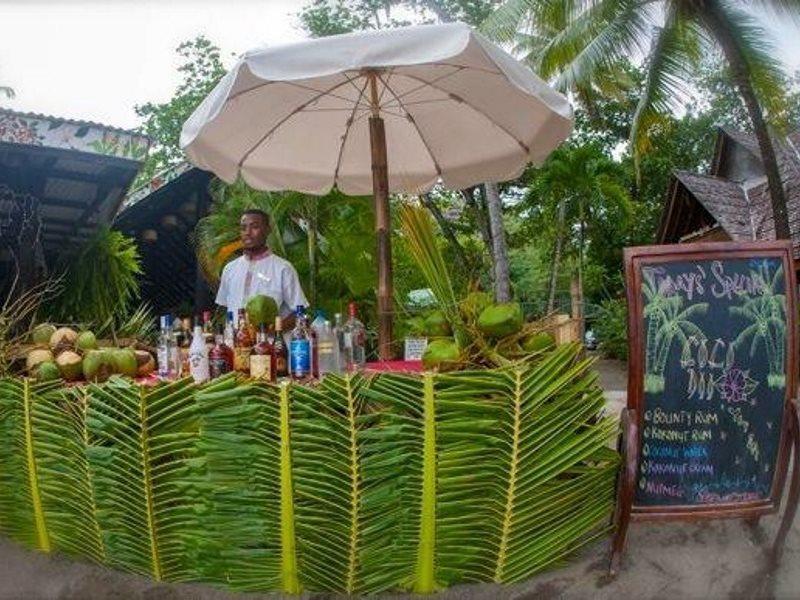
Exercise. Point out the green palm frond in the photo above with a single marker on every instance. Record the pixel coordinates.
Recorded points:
(140, 442)
(241, 515)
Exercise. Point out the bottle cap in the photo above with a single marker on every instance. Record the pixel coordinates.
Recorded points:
(166, 321)
(300, 309)
(230, 315)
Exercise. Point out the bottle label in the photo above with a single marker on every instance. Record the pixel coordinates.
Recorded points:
(218, 366)
(163, 361)
(280, 364)
(300, 351)
(261, 366)
(241, 359)
(198, 363)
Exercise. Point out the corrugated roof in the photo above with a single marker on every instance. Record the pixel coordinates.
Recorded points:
(78, 122)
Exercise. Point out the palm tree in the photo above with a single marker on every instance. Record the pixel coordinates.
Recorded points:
(594, 35)
(582, 186)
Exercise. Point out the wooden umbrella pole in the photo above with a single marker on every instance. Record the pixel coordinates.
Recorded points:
(380, 189)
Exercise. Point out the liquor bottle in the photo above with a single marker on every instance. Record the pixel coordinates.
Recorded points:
(198, 355)
(243, 345)
(208, 332)
(220, 357)
(326, 349)
(355, 336)
(279, 350)
(300, 347)
(184, 343)
(230, 332)
(164, 350)
(338, 333)
(175, 349)
(261, 358)
(314, 330)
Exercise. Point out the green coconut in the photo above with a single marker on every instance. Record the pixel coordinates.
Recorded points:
(97, 365)
(42, 333)
(62, 339)
(35, 358)
(500, 320)
(48, 371)
(86, 341)
(124, 361)
(442, 353)
(436, 325)
(474, 304)
(538, 342)
(69, 365)
(261, 309)
(416, 326)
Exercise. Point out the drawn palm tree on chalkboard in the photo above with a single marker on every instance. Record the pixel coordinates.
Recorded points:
(667, 321)
(767, 315)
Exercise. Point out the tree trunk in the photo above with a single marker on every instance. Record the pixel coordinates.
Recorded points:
(716, 21)
(502, 282)
(446, 228)
(581, 303)
(562, 210)
(479, 215)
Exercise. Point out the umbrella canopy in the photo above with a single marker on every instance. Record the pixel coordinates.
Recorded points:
(382, 111)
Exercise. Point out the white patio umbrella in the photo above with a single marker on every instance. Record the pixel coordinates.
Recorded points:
(386, 111)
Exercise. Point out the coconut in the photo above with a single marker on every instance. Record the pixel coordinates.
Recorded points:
(474, 304)
(436, 325)
(500, 320)
(48, 371)
(97, 365)
(35, 358)
(538, 342)
(145, 364)
(42, 333)
(69, 364)
(261, 309)
(124, 361)
(86, 341)
(442, 353)
(62, 339)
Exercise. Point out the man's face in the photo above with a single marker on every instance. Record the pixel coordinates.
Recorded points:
(253, 231)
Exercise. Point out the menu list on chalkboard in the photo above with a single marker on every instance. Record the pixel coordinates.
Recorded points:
(715, 348)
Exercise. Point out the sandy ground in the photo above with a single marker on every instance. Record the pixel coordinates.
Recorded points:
(719, 559)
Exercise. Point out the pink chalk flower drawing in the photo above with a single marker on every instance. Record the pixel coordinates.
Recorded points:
(735, 385)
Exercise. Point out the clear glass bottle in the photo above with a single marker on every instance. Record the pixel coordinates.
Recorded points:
(355, 337)
(164, 349)
(279, 350)
(243, 345)
(261, 359)
(175, 349)
(327, 349)
(230, 331)
(300, 347)
(198, 355)
(338, 333)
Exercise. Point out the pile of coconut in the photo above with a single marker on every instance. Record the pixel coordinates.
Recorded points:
(64, 353)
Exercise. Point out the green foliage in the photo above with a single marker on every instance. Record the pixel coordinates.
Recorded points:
(611, 327)
(100, 281)
(200, 69)
(355, 486)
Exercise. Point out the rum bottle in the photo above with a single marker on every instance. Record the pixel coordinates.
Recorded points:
(261, 358)
(243, 345)
(279, 350)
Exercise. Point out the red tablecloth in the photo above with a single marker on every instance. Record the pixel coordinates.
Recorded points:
(398, 366)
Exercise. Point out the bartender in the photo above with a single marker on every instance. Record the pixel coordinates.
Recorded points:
(259, 271)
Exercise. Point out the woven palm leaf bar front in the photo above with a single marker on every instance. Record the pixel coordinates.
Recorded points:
(358, 485)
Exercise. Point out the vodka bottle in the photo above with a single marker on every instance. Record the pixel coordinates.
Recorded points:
(175, 349)
(198, 355)
(164, 350)
(314, 329)
(300, 347)
(355, 336)
(326, 349)
(338, 334)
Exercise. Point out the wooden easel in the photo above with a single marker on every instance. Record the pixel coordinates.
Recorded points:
(631, 421)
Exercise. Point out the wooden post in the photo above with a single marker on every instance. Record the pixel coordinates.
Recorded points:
(793, 442)
(629, 449)
(380, 189)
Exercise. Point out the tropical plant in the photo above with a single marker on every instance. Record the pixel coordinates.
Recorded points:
(593, 37)
(767, 313)
(611, 326)
(100, 280)
(395, 482)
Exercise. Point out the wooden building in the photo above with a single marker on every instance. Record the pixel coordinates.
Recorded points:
(732, 201)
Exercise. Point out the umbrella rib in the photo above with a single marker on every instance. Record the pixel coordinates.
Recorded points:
(286, 118)
(413, 121)
(458, 98)
(347, 131)
(434, 80)
(290, 83)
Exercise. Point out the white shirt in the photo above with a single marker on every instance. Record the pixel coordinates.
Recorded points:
(269, 275)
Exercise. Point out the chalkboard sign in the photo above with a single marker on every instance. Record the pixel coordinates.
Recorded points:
(713, 364)
(711, 416)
